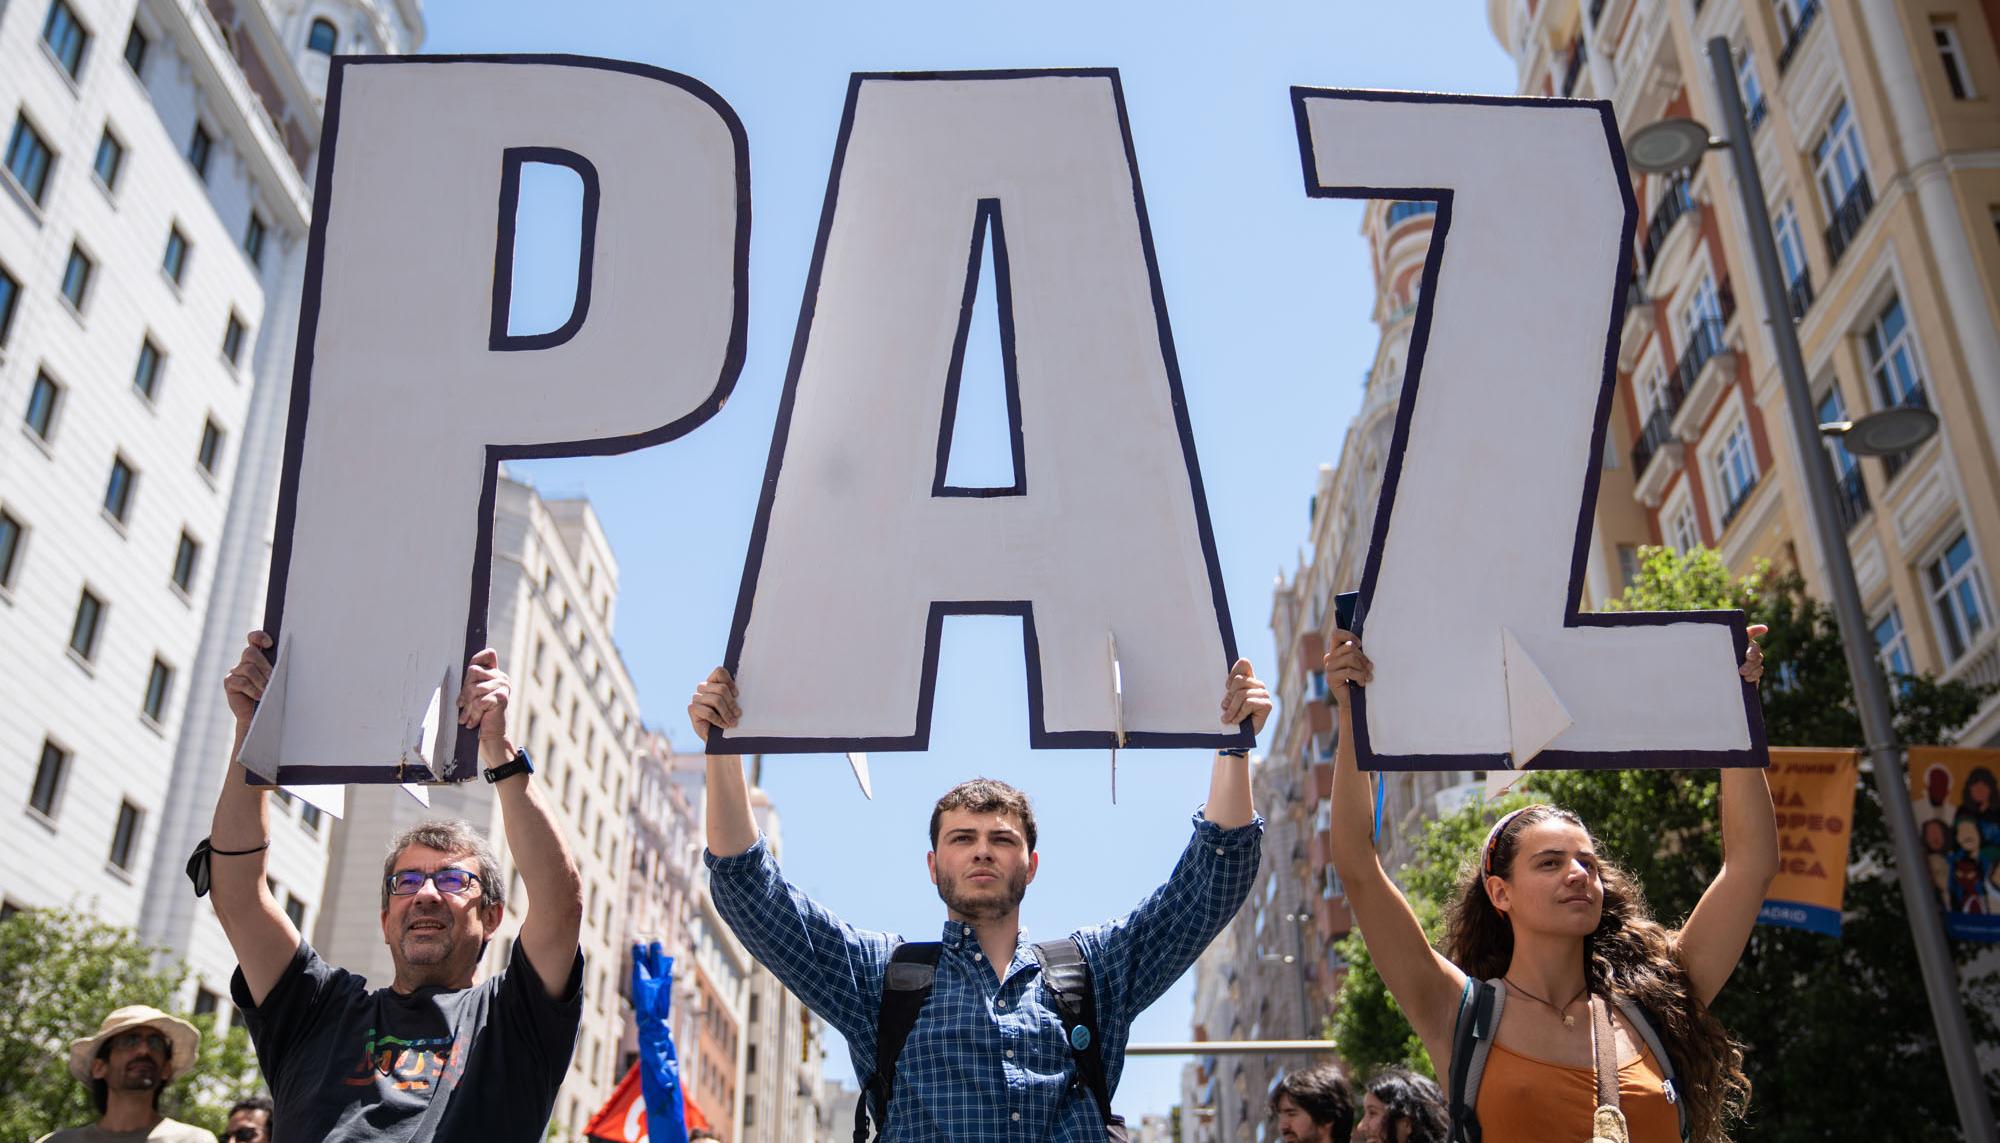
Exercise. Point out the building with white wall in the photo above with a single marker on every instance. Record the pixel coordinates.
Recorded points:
(154, 202)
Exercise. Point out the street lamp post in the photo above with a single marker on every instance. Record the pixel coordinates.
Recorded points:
(1871, 690)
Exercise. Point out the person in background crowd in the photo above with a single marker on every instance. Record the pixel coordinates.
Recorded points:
(1400, 1106)
(1314, 1106)
(249, 1121)
(127, 1064)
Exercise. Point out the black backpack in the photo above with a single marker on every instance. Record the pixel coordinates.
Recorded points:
(907, 985)
(1472, 1040)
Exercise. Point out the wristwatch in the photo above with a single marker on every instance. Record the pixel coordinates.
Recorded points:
(520, 763)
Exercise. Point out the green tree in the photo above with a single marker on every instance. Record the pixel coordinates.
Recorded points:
(61, 973)
(1838, 1036)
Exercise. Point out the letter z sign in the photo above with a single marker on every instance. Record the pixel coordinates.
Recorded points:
(1470, 591)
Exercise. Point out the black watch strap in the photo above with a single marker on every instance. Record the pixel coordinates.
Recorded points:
(520, 763)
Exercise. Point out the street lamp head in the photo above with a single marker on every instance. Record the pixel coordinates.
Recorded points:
(1887, 433)
(1669, 145)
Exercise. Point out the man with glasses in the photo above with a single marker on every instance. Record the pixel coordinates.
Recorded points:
(434, 1055)
(127, 1064)
(249, 1121)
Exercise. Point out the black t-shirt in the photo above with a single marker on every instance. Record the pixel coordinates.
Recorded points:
(346, 1062)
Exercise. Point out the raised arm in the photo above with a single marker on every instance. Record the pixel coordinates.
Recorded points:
(548, 871)
(1712, 941)
(1426, 985)
(732, 828)
(1229, 802)
(258, 930)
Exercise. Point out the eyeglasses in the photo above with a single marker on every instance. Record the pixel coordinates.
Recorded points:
(245, 1135)
(407, 882)
(143, 1037)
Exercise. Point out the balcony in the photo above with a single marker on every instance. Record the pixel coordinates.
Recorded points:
(1658, 453)
(1850, 499)
(1639, 321)
(1796, 34)
(1666, 239)
(1847, 219)
(1705, 371)
(1734, 508)
(1799, 295)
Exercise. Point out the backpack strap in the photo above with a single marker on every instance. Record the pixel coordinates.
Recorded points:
(906, 985)
(1471, 1042)
(1643, 1024)
(1066, 974)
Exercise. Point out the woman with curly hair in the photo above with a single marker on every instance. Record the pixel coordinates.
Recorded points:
(1560, 931)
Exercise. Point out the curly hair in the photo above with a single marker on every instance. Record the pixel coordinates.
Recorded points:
(1410, 1099)
(985, 796)
(1630, 955)
(1323, 1093)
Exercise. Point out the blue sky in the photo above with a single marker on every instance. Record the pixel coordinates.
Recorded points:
(1269, 294)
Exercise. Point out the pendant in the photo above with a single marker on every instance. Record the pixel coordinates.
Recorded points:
(1568, 1020)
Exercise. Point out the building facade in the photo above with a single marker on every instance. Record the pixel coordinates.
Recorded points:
(1879, 147)
(554, 597)
(156, 187)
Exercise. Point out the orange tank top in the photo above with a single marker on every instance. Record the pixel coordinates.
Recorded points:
(1524, 1099)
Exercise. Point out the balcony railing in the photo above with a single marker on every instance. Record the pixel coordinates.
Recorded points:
(1796, 34)
(1659, 429)
(1847, 219)
(1703, 343)
(1675, 203)
(1575, 69)
(1735, 506)
(1799, 295)
(1916, 398)
(1850, 501)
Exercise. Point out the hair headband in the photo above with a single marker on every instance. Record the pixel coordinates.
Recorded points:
(1493, 836)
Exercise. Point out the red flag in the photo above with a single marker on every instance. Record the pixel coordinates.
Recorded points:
(622, 1119)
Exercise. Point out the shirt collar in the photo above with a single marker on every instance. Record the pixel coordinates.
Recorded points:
(959, 935)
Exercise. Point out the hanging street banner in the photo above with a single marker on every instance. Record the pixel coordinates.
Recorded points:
(1813, 791)
(1957, 802)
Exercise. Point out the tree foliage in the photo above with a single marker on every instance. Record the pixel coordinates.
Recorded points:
(61, 973)
(1837, 1032)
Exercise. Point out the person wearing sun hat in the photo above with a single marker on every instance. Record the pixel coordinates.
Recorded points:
(127, 1064)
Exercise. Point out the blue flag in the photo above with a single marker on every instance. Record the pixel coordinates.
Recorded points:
(659, 1065)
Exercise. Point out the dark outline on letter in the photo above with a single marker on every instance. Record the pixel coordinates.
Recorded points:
(1758, 753)
(1038, 737)
(1003, 301)
(511, 161)
(465, 762)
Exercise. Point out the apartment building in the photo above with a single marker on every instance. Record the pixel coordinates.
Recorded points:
(1879, 146)
(554, 599)
(154, 202)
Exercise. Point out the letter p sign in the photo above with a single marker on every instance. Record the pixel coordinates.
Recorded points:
(404, 356)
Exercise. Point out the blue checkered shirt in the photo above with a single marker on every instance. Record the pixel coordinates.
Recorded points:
(987, 1060)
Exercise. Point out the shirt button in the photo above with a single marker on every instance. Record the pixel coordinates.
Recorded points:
(1010, 1053)
(1016, 1117)
(1218, 849)
(1002, 1004)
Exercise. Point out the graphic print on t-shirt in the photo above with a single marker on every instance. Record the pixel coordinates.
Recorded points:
(419, 1065)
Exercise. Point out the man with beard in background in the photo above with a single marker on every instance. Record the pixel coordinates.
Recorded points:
(128, 1063)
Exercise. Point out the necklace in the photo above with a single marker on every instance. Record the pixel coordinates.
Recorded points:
(1569, 1021)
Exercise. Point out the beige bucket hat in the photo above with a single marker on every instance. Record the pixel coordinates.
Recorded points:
(179, 1033)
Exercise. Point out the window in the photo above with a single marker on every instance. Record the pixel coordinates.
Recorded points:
(232, 340)
(1837, 162)
(1700, 319)
(1951, 56)
(11, 532)
(136, 44)
(1958, 597)
(49, 774)
(1409, 208)
(205, 1002)
(176, 259)
(76, 278)
(296, 910)
(309, 816)
(1831, 410)
(1791, 249)
(253, 239)
(323, 38)
(110, 160)
(187, 556)
(43, 401)
(1892, 645)
(29, 159)
(65, 37)
(1628, 565)
(1750, 86)
(210, 453)
(1683, 532)
(1736, 470)
(200, 144)
(146, 375)
(119, 489)
(89, 624)
(125, 835)
(10, 293)
(159, 687)
(1892, 358)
